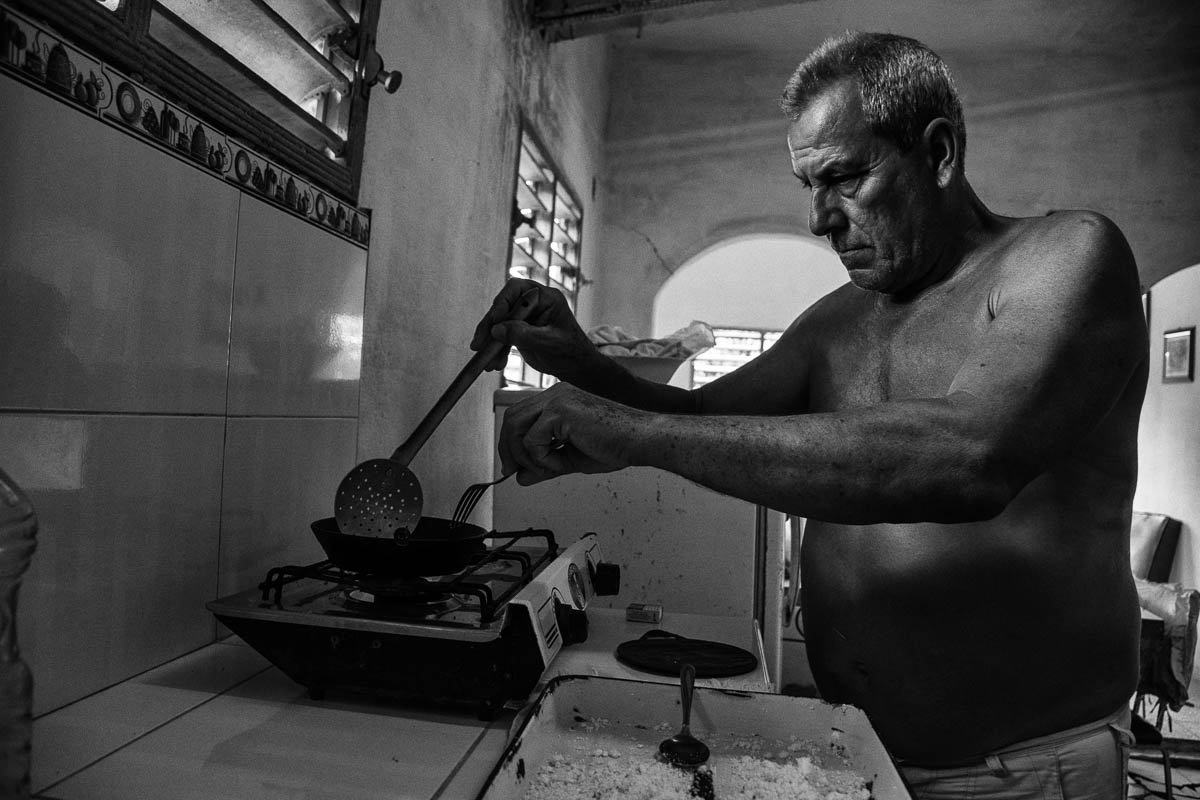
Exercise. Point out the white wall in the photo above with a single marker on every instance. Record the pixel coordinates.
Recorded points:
(1169, 437)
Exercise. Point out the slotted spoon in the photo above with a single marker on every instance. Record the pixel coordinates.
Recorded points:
(382, 497)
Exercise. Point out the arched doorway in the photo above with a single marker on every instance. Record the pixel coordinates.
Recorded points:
(743, 285)
(747, 285)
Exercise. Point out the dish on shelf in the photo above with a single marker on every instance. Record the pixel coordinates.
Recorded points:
(241, 166)
(129, 105)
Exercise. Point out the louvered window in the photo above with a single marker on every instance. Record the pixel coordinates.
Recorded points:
(547, 219)
(734, 347)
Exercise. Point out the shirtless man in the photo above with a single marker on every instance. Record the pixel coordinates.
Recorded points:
(958, 424)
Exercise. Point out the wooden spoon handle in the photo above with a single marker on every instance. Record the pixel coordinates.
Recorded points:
(458, 387)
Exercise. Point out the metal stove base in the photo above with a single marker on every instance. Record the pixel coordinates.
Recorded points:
(411, 670)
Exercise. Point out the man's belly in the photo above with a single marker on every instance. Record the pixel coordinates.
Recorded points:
(960, 639)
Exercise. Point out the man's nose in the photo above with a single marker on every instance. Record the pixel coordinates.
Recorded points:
(824, 214)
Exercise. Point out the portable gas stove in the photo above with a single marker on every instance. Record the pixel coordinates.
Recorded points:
(475, 639)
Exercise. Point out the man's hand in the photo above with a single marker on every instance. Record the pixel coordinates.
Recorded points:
(565, 430)
(549, 339)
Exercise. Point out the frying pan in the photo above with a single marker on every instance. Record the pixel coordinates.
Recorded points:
(436, 547)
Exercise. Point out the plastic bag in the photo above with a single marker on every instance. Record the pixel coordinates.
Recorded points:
(682, 344)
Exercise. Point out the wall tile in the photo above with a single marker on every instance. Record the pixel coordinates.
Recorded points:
(296, 340)
(281, 474)
(116, 267)
(128, 510)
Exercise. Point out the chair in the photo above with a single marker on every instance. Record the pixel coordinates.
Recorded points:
(1153, 539)
(1168, 640)
(1168, 616)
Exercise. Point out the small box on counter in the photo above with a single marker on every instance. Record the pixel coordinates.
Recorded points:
(644, 612)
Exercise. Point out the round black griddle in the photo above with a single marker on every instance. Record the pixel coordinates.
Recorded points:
(663, 653)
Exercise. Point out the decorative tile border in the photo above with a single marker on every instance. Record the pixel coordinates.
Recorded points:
(41, 58)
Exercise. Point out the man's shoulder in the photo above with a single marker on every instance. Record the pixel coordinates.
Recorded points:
(1062, 239)
(845, 300)
(1070, 228)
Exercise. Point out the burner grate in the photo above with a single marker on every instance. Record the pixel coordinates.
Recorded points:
(469, 582)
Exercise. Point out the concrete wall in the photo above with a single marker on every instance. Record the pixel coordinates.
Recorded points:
(1127, 152)
(697, 155)
(439, 173)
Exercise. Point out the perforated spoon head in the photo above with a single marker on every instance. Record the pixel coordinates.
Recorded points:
(379, 498)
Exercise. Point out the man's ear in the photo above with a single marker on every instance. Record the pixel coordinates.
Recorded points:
(943, 150)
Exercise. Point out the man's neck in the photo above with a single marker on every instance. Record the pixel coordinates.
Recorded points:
(965, 229)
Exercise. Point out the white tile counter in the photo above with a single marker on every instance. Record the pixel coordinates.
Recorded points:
(223, 724)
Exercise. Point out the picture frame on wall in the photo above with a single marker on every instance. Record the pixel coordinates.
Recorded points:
(1179, 357)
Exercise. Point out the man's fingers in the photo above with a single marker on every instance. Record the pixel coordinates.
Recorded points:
(503, 307)
(551, 465)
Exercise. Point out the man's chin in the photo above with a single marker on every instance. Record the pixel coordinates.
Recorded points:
(867, 279)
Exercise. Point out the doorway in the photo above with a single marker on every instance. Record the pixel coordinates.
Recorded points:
(750, 288)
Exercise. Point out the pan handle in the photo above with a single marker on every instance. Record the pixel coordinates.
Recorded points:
(407, 451)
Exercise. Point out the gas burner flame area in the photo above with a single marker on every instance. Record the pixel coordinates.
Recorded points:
(412, 598)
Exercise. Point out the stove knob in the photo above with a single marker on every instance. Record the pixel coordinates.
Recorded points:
(606, 578)
(572, 623)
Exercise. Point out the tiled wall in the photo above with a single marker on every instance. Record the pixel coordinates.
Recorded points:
(179, 376)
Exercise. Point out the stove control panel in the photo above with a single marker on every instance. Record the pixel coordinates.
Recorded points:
(557, 598)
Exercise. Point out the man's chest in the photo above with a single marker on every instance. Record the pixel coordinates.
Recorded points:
(878, 357)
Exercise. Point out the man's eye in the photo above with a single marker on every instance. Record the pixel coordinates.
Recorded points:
(846, 185)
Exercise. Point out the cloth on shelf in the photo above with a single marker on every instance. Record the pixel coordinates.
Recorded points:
(1167, 662)
(681, 345)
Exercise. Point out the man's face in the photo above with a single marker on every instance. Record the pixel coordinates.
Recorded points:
(867, 197)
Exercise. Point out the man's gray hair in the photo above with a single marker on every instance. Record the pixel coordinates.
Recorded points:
(904, 85)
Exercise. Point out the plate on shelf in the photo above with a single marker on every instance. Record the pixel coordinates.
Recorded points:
(241, 166)
(129, 105)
